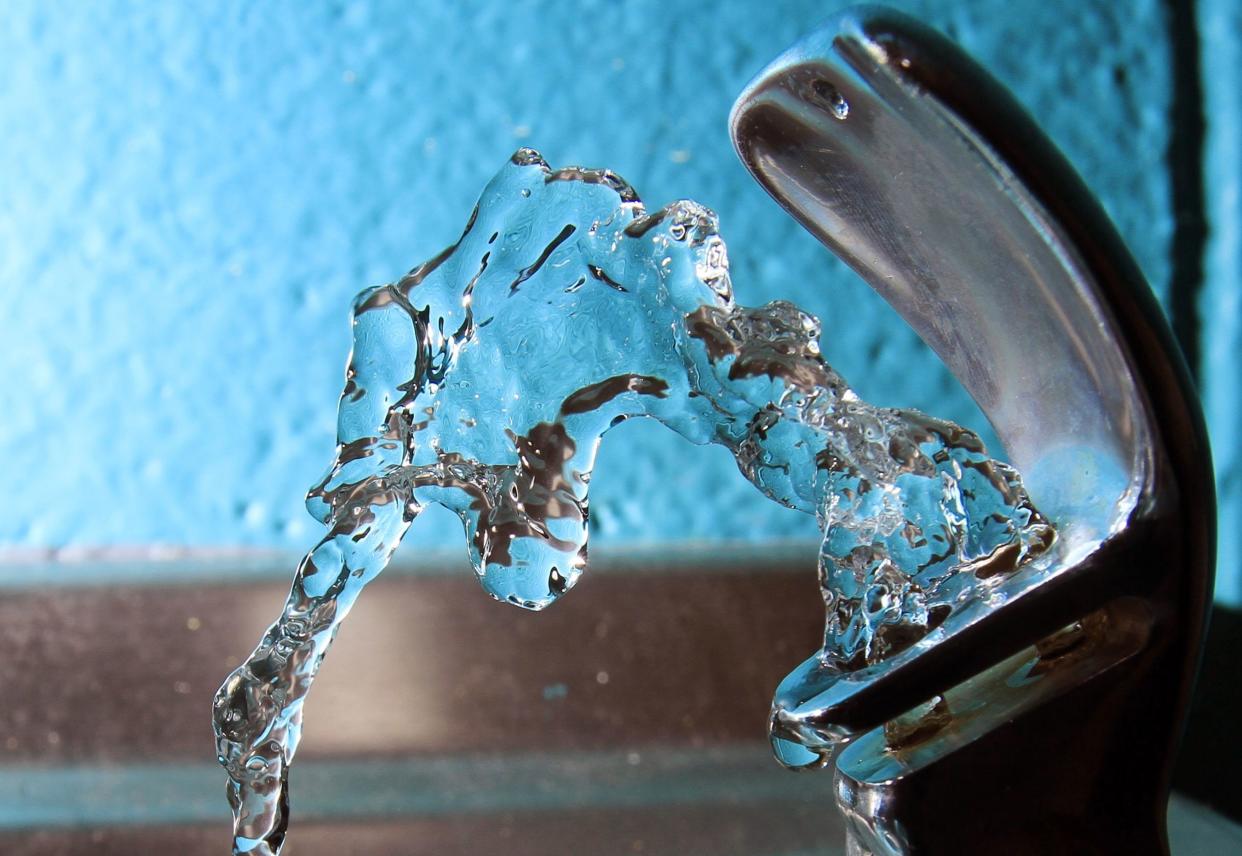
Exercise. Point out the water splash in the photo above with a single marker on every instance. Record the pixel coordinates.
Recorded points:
(483, 381)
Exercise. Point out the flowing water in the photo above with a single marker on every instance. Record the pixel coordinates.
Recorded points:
(483, 381)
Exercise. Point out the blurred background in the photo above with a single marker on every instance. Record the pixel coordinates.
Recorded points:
(189, 199)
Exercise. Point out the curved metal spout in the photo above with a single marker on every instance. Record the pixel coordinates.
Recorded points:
(865, 133)
(914, 166)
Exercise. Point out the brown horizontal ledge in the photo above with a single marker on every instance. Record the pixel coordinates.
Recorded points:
(636, 654)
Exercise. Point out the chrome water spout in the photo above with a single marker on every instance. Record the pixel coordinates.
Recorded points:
(1046, 719)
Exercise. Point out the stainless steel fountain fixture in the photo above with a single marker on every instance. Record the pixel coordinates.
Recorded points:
(1046, 719)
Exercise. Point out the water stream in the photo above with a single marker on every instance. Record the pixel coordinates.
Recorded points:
(484, 380)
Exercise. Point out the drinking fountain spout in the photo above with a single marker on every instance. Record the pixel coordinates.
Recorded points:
(1048, 715)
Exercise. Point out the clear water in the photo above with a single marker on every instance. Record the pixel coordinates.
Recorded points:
(483, 381)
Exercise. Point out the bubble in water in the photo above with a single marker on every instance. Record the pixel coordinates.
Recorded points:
(484, 380)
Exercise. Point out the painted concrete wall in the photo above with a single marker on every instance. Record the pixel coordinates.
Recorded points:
(189, 199)
(1220, 304)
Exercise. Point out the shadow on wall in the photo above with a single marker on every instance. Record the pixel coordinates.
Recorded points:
(1206, 768)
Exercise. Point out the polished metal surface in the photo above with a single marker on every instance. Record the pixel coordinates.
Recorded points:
(445, 723)
(1048, 717)
(599, 769)
(871, 160)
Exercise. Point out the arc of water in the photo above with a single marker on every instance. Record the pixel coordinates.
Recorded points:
(484, 381)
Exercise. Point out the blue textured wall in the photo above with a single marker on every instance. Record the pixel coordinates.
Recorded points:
(189, 199)
(1220, 305)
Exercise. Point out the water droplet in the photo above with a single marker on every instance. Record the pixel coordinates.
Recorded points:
(831, 97)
